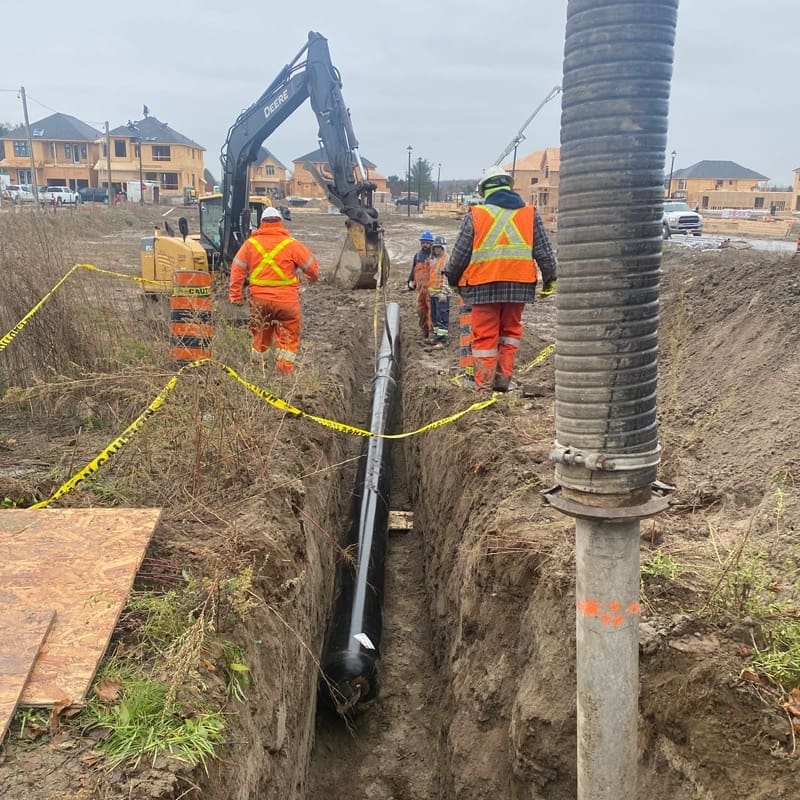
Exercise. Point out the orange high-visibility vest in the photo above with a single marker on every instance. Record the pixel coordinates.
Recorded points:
(437, 278)
(268, 272)
(502, 246)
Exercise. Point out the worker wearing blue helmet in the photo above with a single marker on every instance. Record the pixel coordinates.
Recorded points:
(419, 279)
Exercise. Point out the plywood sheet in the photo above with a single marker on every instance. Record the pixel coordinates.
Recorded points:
(80, 562)
(22, 631)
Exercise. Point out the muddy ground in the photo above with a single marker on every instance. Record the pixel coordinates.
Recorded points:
(478, 678)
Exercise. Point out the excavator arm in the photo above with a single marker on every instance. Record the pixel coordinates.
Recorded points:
(317, 79)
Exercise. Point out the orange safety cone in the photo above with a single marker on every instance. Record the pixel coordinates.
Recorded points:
(191, 323)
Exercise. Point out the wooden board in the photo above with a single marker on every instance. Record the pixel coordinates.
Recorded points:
(80, 562)
(401, 520)
(22, 631)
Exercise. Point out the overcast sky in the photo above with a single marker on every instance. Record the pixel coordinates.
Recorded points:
(452, 78)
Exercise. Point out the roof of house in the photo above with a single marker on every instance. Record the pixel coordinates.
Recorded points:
(58, 127)
(151, 129)
(719, 170)
(264, 154)
(318, 157)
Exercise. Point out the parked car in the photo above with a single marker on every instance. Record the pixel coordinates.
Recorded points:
(20, 194)
(407, 200)
(679, 218)
(93, 194)
(59, 195)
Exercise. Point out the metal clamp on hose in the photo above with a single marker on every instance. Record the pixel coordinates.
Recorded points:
(604, 461)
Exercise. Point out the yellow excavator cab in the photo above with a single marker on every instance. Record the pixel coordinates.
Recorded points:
(162, 255)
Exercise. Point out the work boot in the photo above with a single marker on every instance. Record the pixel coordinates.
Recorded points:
(501, 382)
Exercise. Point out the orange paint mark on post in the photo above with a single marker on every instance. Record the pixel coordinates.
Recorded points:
(634, 608)
(611, 614)
(589, 608)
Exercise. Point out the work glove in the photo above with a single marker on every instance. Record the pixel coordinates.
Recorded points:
(411, 285)
(549, 288)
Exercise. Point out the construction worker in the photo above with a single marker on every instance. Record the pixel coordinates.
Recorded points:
(420, 278)
(492, 264)
(439, 291)
(272, 261)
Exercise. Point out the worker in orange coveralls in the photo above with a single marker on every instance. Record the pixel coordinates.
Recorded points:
(272, 261)
(420, 279)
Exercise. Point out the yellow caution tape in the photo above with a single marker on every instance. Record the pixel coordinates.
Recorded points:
(128, 434)
(123, 439)
(12, 334)
(543, 355)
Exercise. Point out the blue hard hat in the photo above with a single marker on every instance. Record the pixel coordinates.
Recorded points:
(426, 236)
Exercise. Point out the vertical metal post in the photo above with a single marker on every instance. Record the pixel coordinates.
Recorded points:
(108, 164)
(141, 179)
(438, 177)
(408, 205)
(419, 184)
(671, 169)
(607, 638)
(34, 187)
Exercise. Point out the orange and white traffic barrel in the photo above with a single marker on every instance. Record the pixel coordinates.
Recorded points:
(191, 322)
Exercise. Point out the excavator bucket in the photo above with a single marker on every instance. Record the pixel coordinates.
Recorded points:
(363, 262)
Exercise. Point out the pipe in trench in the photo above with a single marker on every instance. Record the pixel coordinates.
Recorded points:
(352, 650)
(617, 70)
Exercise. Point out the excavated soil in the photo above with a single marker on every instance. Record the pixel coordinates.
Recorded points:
(478, 676)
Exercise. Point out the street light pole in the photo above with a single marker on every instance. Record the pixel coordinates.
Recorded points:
(438, 176)
(671, 169)
(141, 180)
(419, 183)
(408, 204)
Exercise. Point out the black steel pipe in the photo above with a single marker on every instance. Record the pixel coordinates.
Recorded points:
(352, 651)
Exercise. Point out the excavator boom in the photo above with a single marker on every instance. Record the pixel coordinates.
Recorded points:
(314, 78)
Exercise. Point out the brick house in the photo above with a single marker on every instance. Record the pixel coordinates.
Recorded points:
(170, 164)
(64, 153)
(268, 176)
(303, 183)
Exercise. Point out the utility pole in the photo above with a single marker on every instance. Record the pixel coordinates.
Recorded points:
(419, 183)
(34, 188)
(408, 205)
(108, 163)
(438, 176)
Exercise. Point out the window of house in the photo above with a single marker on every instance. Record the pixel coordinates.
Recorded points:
(758, 202)
(24, 176)
(161, 152)
(120, 148)
(193, 183)
(547, 172)
(169, 180)
(270, 169)
(84, 152)
(20, 149)
(68, 151)
(534, 181)
(137, 149)
(718, 184)
(2, 150)
(682, 184)
(150, 176)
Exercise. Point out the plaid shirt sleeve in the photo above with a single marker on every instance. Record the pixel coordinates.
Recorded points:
(462, 251)
(543, 251)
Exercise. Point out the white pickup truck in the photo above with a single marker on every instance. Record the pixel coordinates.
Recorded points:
(59, 195)
(679, 218)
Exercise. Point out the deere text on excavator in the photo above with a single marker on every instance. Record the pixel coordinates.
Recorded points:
(347, 187)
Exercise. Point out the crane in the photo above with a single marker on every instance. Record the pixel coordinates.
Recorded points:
(520, 137)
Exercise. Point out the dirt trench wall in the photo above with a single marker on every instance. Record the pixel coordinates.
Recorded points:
(502, 603)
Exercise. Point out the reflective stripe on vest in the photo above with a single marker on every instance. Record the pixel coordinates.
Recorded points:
(268, 262)
(502, 248)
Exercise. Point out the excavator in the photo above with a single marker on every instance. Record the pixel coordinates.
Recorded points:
(226, 219)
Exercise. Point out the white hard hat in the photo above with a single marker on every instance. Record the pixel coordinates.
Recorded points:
(493, 176)
(270, 213)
